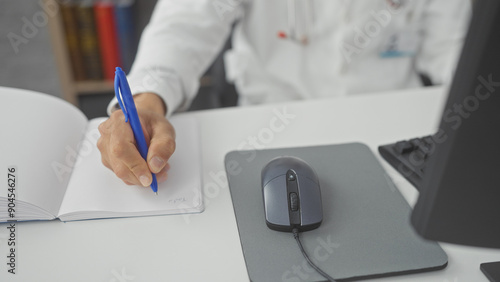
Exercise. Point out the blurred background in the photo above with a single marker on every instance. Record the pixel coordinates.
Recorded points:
(58, 50)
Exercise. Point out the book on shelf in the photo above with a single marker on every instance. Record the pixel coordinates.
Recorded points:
(89, 42)
(68, 15)
(100, 35)
(108, 38)
(53, 169)
(127, 34)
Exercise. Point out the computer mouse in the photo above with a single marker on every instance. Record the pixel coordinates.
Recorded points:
(292, 196)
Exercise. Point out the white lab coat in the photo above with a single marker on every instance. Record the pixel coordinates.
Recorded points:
(354, 46)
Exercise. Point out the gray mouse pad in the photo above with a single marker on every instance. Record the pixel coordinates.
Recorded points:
(365, 231)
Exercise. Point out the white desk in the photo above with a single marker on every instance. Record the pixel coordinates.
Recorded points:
(206, 247)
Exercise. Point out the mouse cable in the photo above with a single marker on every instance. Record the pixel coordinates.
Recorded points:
(295, 232)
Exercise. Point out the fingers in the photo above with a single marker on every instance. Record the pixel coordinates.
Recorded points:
(163, 174)
(119, 152)
(161, 146)
(127, 162)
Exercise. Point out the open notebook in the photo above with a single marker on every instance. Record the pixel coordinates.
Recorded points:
(58, 171)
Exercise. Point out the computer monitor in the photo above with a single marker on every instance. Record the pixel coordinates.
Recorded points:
(460, 198)
(459, 201)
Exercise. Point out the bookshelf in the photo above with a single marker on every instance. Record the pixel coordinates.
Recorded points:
(73, 88)
(214, 91)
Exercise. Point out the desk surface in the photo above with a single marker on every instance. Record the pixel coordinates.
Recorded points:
(206, 247)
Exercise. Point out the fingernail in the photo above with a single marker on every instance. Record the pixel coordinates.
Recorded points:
(157, 163)
(144, 180)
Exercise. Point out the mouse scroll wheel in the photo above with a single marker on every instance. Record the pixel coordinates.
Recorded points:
(294, 201)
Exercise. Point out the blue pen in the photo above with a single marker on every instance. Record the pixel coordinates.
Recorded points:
(124, 96)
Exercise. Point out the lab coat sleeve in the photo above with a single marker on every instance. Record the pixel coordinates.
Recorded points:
(444, 26)
(177, 46)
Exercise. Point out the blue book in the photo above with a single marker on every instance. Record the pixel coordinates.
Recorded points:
(125, 27)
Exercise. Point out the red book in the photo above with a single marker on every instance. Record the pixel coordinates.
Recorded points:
(108, 39)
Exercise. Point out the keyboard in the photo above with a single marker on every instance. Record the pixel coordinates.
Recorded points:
(409, 157)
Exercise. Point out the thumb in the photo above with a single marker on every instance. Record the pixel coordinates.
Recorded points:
(161, 146)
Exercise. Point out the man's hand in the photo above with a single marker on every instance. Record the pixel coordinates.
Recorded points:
(118, 147)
